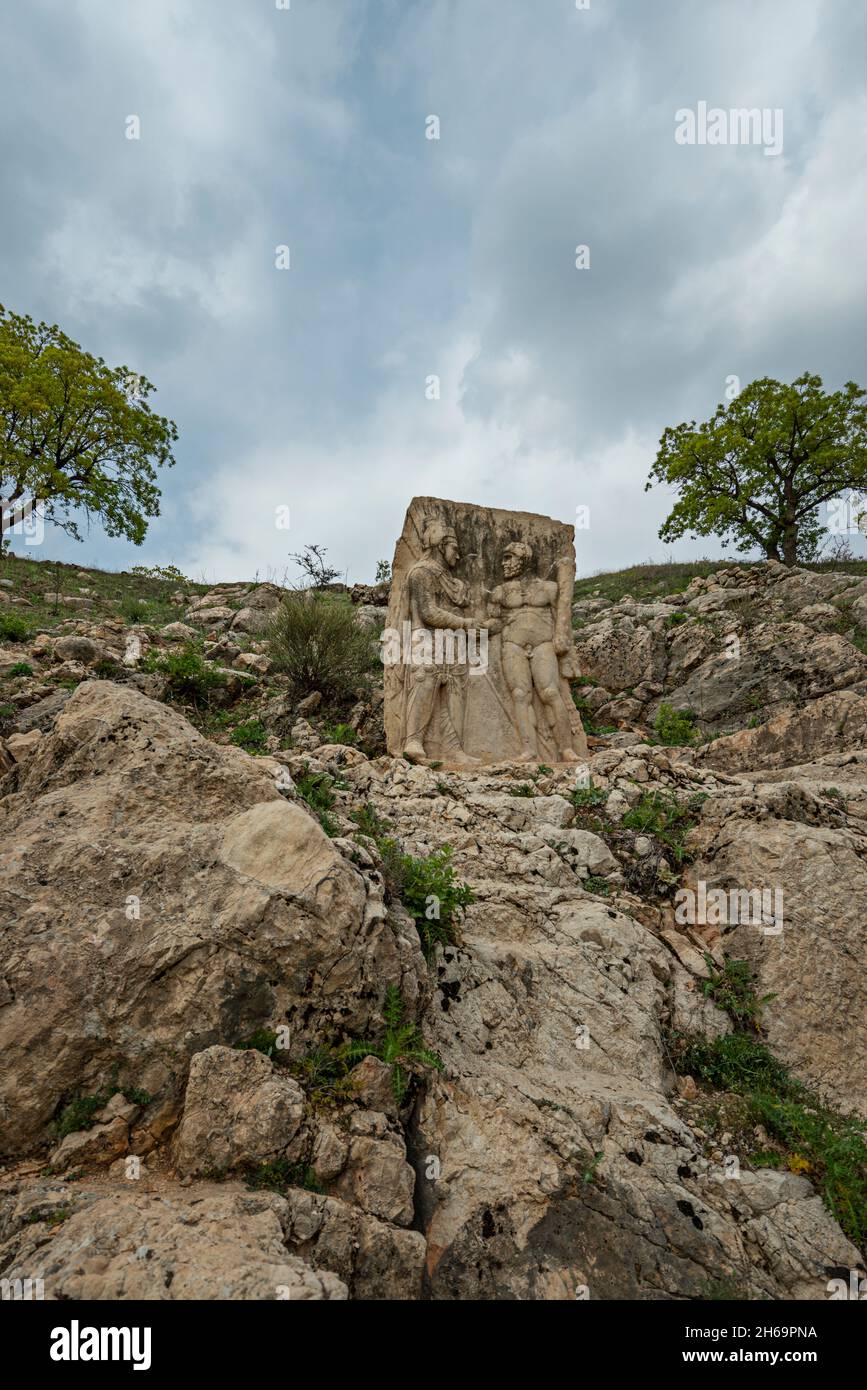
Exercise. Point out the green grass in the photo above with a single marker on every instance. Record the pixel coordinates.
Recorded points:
(278, 1174)
(317, 790)
(429, 890)
(251, 735)
(659, 813)
(21, 668)
(732, 989)
(814, 1139)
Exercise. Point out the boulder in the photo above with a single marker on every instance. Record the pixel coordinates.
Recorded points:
(166, 898)
(237, 1109)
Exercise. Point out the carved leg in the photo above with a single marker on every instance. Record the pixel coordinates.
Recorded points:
(546, 675)
(519, 679)
(419, 708)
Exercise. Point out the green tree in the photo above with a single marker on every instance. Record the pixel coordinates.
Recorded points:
(76, 434)
(757, 472)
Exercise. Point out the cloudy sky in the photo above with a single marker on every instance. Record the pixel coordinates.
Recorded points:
(412, 257)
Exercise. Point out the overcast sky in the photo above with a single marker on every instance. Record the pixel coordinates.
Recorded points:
(306, 127)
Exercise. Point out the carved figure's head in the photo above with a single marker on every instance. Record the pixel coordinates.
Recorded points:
(439, 538)
(516, 558)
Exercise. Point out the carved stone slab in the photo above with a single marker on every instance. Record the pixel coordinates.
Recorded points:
(478, 647)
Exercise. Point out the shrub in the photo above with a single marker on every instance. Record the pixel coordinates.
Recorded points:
(675, 728)
(13, 628)
(315, 640)
(190, 678)
(133, 609)
(21, 668)
(252, 736)
(429, 890)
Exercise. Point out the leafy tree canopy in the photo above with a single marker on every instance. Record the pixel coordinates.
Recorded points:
(757, 472)
(76, 434)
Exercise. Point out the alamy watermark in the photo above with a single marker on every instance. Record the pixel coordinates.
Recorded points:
(738, 126)
(441, 646)
(750, 907)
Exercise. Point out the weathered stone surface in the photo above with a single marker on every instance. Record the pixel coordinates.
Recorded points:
(210, 1243)
(237, 1109)
(374, 1260)
(773, 840)
(467, 571)
(165, 897)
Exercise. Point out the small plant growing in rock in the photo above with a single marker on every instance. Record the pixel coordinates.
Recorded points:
(189, 677)
(277, 1174)
(588, 798)
(594, 883)
(675, 728)
(252, 736)
(659, 813)
(13, 628)
(521, 789)
(369, 822)
(316, 789)
(733, 990)
(21, 668)
(401, 1047)
(429, 890)
(340, 733)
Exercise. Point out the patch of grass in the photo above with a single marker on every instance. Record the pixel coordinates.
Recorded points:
(675, 728)
(594, 883)
(660, 814)
(732, 989)
(340, 733)
(675, 619)
(429, 890)
(401, 1047)
(278, 1174)
(252, 736)
(13, 628)
(317, 790)
(369, 822)
(21, 668)
(522, 789)
(134, 609)
(815, 1139)
(324, 1074)
(189, 677)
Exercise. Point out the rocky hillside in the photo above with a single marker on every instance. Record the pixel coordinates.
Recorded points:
(283, 1017)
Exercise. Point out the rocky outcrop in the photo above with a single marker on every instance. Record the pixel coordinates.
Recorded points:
(163, 896)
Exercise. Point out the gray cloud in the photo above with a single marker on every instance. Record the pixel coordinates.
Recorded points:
(412, 257)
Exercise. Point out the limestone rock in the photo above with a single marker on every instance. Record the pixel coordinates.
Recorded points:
(237, 1109)
(165, 897)
(131, 1245)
